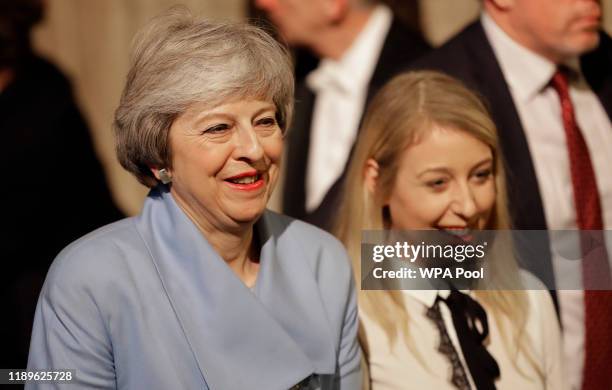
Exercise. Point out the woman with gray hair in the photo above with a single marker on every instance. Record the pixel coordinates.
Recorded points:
(204, 289)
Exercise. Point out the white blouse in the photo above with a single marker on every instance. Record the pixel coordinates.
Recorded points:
(395, 366)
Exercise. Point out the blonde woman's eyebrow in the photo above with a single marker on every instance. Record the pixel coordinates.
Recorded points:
(448, 171)
(488, 160)
(434, 170)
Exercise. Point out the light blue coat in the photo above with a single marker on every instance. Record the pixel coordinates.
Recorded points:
(146, 303)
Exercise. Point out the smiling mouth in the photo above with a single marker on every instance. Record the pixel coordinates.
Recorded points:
(463, 233)
(245, 179)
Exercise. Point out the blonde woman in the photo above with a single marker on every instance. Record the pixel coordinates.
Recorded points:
(428, 158)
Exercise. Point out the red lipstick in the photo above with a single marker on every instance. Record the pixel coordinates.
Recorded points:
(238, 182)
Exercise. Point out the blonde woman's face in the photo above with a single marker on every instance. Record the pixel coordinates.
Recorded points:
(444, 181)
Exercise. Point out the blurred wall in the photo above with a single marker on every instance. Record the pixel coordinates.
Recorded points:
(90, 40)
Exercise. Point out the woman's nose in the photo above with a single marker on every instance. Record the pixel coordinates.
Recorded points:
(464, 202)
(248, 144)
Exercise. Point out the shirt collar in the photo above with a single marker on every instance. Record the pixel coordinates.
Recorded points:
(355, 68)
(428, 297)
(526, 72)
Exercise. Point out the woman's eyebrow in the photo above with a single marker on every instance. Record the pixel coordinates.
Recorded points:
(210, 116)
(434, 170)
(227, 115)
(449, 171)
(484, 161)
(270, 107)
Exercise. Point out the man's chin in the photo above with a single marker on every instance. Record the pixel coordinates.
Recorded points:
(591, 42)
(587, 41)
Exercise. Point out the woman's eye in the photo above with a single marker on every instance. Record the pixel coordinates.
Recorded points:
(436, 184)
(216, 129)
(483, 174)
(267, 121)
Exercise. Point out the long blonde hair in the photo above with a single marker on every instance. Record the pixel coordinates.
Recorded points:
(406, 108)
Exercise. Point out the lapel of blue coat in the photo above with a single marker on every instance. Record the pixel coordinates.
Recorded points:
(270, 339)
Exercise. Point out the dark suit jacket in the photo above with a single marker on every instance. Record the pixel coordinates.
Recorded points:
(401, 47)
(469, 57)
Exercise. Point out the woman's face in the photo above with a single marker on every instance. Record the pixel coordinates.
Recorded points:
(225, 160)
(445, 181)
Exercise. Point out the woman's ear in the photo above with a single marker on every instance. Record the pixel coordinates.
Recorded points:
(370, 175)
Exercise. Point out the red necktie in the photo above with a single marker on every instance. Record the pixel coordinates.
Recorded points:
(597, 372)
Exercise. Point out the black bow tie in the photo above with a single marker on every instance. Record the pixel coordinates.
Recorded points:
(470, 321)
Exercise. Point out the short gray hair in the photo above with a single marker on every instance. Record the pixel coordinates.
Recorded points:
(180, 60)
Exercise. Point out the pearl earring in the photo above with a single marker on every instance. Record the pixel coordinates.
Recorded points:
(165, 176)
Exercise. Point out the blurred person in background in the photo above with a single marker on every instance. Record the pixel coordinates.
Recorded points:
(545, 67)
(57, 189)
(205, 289)
(353, 48)
(428, 158)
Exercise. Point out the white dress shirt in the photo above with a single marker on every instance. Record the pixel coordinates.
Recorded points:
(528, 75)
(393, 365)
(341, 89)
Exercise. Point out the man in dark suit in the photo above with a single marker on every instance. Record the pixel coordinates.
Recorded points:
(350, 48)
(546, 70)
